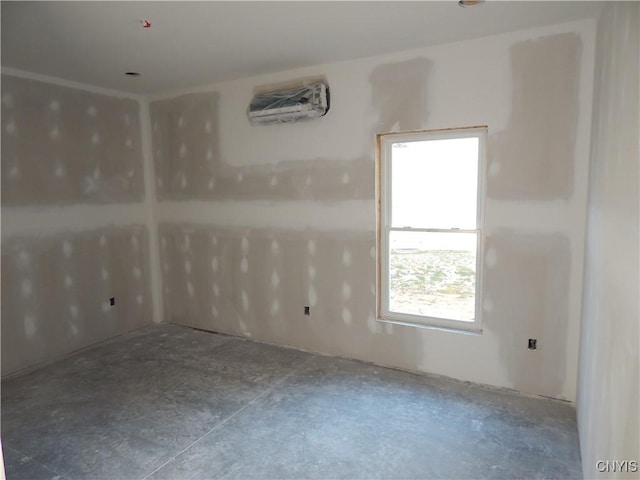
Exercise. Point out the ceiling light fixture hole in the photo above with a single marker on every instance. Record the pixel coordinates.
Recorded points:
(470, 3)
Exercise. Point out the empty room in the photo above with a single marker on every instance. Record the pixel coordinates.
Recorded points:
(367, 239)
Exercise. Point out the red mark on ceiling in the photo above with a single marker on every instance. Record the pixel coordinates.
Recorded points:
(146, 24)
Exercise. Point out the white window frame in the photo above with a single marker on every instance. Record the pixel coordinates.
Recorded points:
(383, 206)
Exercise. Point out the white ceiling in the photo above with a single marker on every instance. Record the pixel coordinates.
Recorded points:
(196, 43)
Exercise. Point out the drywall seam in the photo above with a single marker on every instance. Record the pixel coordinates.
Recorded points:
(14, 72)
(349, 215)
(45, 221)
(150, 204)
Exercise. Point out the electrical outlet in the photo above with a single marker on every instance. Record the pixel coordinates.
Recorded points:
(307, 310)
(533, 343)
(112, 301)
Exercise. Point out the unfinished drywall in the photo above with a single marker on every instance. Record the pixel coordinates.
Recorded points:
(56, 292)
(533, 158)
(74, 228)
(399, 92)
(189, 165)
(256, 282)
(608, 396)
(63, 146)
(284, 215)
(537, 267)
(185, 128)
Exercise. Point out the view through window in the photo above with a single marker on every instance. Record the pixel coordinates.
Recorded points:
(431, 219)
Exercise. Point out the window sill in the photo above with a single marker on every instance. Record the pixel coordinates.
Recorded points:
(404, 323)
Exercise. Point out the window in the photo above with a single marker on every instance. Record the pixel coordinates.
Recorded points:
(430, 197)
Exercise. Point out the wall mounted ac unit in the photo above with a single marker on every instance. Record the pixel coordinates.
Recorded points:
(284, 106)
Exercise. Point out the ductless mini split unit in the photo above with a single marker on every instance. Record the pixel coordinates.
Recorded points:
(290, 105)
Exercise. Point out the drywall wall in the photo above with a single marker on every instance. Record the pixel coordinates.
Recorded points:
(75, 229)
(257, 222)
(609, 397)
(63, 145)
(544, 101)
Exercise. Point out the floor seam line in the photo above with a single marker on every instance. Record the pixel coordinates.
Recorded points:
(226, 420)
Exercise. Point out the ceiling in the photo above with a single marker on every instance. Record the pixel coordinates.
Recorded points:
(196, 43)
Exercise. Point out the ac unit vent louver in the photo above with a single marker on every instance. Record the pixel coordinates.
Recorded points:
(292, 105)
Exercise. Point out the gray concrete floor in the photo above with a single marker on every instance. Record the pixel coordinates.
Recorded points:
(169, 402)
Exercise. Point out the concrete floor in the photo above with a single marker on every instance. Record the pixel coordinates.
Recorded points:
(172, 402)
